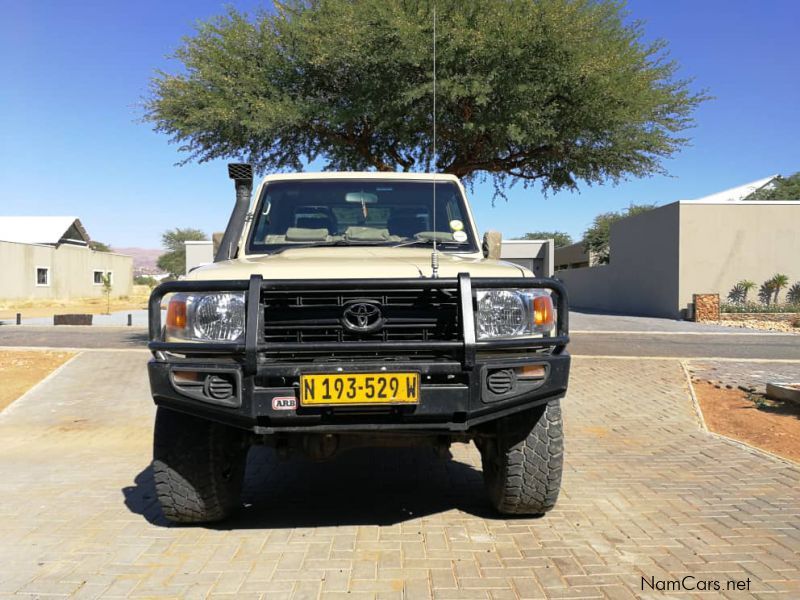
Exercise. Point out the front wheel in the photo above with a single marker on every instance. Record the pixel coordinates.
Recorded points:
(523, 462)
(198, 467)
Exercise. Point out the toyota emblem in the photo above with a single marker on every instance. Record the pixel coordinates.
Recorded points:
(362, 316)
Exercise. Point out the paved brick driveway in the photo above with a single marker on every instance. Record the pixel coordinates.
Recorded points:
(646, 493)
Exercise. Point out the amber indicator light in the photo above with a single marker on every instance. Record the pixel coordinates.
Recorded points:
(542, 311)
(531, 372)
(176, 314)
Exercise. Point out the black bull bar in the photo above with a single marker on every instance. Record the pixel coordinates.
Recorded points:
(253, 343)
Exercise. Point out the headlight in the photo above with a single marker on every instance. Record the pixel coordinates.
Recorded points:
(206, 317)
(513, 313)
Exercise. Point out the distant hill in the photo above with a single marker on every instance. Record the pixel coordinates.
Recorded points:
(144, 259)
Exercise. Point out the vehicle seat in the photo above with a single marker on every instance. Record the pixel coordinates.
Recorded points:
(316, 223)
(405, 225)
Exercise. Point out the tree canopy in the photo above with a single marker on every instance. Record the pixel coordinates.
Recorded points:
(99, 246)
(173, 261)
(782, 188)
(560, 238)
(147, 280)
(596, 237)
(547, 91)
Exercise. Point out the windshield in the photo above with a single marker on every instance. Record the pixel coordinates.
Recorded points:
(360, 213)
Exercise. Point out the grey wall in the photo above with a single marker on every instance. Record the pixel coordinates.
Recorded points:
(71, 271)
(721, 244)
(645, 251)
(659, 259)
(591, 287)
(642, 277)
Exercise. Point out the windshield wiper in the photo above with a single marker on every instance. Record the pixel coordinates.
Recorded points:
(426, 243)
(328, 245)
(414, 243)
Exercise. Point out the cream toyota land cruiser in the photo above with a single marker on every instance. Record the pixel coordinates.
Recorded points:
(348, 310)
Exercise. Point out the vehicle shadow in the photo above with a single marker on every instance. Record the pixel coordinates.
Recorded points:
(368, 486)
(136, 338)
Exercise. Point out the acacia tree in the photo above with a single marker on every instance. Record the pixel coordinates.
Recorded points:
(173, 261)
(560, 238)
(597, 237)
(554, 91)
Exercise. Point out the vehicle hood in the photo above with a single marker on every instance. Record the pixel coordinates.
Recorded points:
(361, 262)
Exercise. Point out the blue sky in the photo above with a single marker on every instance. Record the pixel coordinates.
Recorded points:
(72, 76)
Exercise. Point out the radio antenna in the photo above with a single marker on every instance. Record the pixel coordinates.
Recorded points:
(435, 255)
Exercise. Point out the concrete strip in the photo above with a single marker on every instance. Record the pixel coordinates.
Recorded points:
(52, 375)
(72, 349)
(695, 403)
(680, 346)
(767, 346)
(701, 333)
(790, 361)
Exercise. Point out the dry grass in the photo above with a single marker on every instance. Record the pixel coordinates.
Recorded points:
(46, 308)
(21, 370)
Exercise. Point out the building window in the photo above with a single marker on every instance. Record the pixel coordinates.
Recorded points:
(42, 276)
(98, 277)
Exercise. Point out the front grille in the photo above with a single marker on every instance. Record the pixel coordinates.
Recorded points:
(313, 316)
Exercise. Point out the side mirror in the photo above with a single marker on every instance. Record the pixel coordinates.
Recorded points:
(492, 242)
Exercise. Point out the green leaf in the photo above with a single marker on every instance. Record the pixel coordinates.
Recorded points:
(552, 91)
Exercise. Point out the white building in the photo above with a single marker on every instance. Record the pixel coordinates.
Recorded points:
(50, 258)
(536, 255)
(738, 193)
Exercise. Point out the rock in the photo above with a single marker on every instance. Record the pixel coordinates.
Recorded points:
(789, 392)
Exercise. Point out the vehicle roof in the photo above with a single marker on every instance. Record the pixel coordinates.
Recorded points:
(383, 175)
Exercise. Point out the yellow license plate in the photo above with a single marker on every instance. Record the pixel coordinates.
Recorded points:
(338, 389)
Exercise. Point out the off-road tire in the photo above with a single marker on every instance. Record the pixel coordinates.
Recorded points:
(522, 465)
(198, 467)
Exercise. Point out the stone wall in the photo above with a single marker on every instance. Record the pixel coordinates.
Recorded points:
(706, 308)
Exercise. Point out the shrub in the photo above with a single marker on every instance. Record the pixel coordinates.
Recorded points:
(765, 293)
(754, 307)
(739, 292)
(793, 295)
(144, 280)
(777, 283)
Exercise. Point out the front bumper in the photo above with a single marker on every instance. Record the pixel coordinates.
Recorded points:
(455, 395)
(451, 399)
